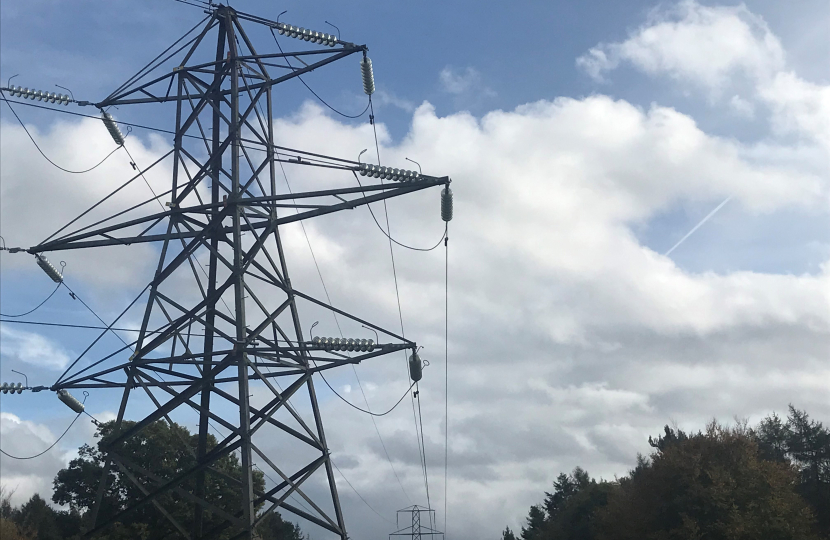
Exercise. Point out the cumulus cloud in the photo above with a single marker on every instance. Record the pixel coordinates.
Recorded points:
(559, 316)
(32, 349)
(703, 45)
(718, 47)
(27, 477)
(38, 199)
(464, 81)
(570, 340)
(563, 325)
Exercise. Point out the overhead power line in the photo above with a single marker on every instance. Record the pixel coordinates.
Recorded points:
(240, 228)
(19, 121)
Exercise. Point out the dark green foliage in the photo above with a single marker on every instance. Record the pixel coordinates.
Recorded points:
(273, 527)
(568, 512)
(770, 482)
(710, 485)
(507, 534)
(670, 437)
(772, 435)
(39, 521)
(164, 452)
(808, 447)
(535, 523)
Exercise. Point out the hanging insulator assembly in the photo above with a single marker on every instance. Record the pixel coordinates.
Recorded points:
(112, 127)
(416, 368)
(47, 267)
(39, 95)
(446, 204)
(368, 75)
(70, 401)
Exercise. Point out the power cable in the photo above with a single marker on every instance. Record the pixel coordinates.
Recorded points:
(347, 402)
(358, 494)
(141, 173)
(86, 394)
(9, 104)
(75, 296)
(337, 322)
(293, 497)
(190, 257)
(287, 61)
(386, 234)
(446, 368)
(338, 470)
(424, 446)
(87, 327)
(188, 135)
(421, 451)
(36, 307)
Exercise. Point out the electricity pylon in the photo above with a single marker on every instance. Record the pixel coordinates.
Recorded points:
(209, 338)
(414, 529)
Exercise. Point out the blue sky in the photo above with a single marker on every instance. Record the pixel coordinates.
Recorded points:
(584, 140)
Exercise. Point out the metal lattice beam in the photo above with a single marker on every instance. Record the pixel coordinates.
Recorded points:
(209, 337)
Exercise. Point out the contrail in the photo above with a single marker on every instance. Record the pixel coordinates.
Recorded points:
(696, 227)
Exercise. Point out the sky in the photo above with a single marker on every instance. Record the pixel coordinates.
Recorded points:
(585, 140)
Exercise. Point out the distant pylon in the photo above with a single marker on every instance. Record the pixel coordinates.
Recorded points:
(415, 530)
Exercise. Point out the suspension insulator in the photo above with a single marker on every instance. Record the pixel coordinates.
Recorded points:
(39, 95)
(11, 388)
(388, 173)
(446, 204)
(368, 76)
(416, 369)
(307, 35)
(344, 344)
(70, 401)
(47, 267)
(112, 127)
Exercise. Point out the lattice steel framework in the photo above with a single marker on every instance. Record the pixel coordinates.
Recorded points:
(415, 530)
(207, 337)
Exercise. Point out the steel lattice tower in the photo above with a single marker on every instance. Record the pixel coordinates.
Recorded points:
(415, 530)
(207, 355)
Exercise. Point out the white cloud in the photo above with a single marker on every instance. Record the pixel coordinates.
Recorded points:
(694, 44)
(384, 97)
(466, 81)
(32, 349)
(551, 291)
(558, 314)
(741, 106)
(570, 341)
(799, 106)
(715, 48)
(37, 199)
(27, 477)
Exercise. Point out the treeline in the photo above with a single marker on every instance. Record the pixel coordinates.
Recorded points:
(37, 520)
(164, 451)
(771, 482)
